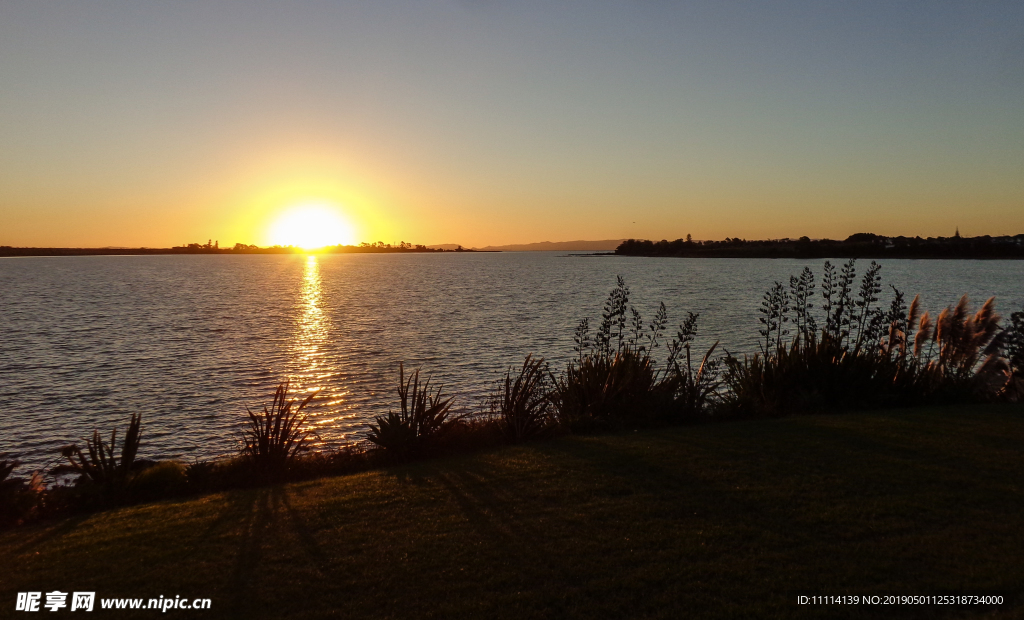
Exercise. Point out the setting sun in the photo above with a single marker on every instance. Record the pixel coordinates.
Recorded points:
(311, 226)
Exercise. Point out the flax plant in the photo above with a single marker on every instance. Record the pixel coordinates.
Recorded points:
(98, 463)
(276, 436)
(522, 404)
(422, 419)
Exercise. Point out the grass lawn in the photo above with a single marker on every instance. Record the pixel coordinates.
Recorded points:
(731, 520)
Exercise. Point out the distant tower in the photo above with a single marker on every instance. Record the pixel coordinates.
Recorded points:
(957, 235)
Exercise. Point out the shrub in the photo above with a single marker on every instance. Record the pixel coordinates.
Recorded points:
(422, 419)
(19, 498)
(522, 405)
(276, 436)
(808, 376)
(163, 479)
(862, 356)
(1013, 343)
(602, 391)
(694, 391)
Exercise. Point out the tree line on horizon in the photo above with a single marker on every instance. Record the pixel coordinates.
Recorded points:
(213, 247)
(859, 245)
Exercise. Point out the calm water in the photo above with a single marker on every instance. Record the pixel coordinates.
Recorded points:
(191, 341)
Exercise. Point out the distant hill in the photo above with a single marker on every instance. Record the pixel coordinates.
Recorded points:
(547, 246)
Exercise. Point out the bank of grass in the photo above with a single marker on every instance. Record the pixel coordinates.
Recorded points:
(718, 521)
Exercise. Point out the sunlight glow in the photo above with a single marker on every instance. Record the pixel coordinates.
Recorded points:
(312, 226)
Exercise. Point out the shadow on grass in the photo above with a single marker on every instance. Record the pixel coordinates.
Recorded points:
(266, 525)
(54, 531)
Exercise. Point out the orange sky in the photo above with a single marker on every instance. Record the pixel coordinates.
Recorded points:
(154, 126)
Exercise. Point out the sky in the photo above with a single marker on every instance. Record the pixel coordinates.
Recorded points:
(486, 123)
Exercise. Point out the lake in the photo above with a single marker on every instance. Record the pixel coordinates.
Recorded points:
(191, 341)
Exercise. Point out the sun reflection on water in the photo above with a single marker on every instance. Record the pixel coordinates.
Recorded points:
(312, 370)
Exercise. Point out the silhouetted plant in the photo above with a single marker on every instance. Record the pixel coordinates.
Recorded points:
(602, 388)
(200, 475)
(694, 390)
(612, 331)
(99, 465)
(862, 356)
(1012, 341)
(807, 376)
(582, 339)
(836, 293)
(800, 292)
(423, 417)
(276, 436)
(616, 379)
(869, 319)
(522, 404)
(964, 341)
(774, 309)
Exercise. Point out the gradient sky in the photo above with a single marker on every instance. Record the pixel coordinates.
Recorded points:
(485, 122)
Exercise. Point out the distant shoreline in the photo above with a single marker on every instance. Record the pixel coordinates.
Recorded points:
(861, 245)
(8, 251)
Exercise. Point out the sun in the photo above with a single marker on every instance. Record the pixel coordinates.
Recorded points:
(311, 226)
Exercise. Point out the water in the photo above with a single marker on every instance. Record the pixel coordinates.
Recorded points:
(191, 341)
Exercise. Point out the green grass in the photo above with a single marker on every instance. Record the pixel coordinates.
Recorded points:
(719, 521)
